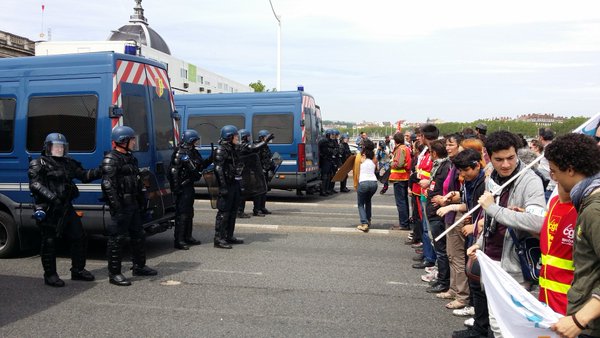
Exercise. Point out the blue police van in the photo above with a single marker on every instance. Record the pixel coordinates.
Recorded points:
(292, 116)
(82, 96)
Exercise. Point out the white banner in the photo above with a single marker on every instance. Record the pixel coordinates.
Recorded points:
(518, 313)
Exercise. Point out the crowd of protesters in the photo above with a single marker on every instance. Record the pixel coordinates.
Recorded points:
(436, 180)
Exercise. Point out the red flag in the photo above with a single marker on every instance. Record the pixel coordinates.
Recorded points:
(399, 126)
(43, 6)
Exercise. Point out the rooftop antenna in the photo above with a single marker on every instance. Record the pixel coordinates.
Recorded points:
(42, 31)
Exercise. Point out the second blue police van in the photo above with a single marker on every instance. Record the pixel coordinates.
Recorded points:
(292, 116)
(82, 96)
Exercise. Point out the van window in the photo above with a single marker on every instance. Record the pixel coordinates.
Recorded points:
(73, 116)
(7, 124)
(135, 113)
(163, 124)
(209, 126)
(281, 125)
(308, 125)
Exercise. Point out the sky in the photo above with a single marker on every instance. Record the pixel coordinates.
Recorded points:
(378, 60)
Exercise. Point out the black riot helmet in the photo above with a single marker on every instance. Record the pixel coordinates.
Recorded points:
(245, 135)
(57, 139)
(190, 136)
(262, 134)
(228, 132)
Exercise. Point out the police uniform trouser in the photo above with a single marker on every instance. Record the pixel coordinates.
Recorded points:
(260, 201)
(326, 169)
(71, 229)
(227, 206)
(124, 222)
(185, 213)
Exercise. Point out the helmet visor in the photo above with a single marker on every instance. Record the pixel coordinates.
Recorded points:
(57, 149)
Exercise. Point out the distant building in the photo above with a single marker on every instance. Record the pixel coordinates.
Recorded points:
(13, 45)
(185, 77)
(541, 120)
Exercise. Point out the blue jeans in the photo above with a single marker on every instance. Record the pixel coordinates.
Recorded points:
(437, 226)
(365, 192)
(428, 251)
(401, 196)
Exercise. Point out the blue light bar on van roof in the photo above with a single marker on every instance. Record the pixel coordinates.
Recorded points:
(300, 88)
(130, 50)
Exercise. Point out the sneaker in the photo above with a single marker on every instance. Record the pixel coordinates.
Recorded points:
(363, 227)
(417, 245)
(470, 322)
(429, 276)
(431, 268)
(464, 312)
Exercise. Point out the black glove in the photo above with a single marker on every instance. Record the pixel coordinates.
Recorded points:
(95, 174)
(223, 192)
(270, 137)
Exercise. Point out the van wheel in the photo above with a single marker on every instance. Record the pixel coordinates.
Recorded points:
(8, 235)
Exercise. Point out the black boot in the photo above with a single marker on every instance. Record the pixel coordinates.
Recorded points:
(187, 232)
(143, 271)
(119, 280)
(257, 213)
(138, 256)
(53, 280)
(114, 256)
(265, 211)
(222, 244)
(221, 231)
(178, 233)
(48, 255)
(82, 274)
(78, 252)
(234, 240)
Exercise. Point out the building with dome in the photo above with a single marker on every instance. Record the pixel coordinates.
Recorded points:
(137, 35)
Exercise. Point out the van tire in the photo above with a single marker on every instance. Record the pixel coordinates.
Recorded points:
(8, 235)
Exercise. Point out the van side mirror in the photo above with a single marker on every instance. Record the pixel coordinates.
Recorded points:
(301, 123)
(115, 111)
(175, 115)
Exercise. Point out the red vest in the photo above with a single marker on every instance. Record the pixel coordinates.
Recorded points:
(423, 172)
(400, 172)
(556, 244)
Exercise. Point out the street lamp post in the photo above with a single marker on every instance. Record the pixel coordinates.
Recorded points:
(278, 18)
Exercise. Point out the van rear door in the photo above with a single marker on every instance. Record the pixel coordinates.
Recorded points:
(147, 106)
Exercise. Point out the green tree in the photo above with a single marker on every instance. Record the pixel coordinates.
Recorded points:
(257, 86)
(568, 125)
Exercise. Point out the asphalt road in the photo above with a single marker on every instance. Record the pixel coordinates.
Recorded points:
(304, 271)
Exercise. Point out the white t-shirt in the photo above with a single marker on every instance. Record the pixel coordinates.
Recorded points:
(367, 171)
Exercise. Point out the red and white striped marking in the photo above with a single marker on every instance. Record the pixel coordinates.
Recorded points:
(307, 102)
(145, 75)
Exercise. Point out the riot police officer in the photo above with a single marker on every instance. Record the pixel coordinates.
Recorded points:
(268, 167)
(122, 189)
(344, 154)
(334, 149)
(186, 168)
(51, 184)
(246, 147)
(228, 171)
(325, 162)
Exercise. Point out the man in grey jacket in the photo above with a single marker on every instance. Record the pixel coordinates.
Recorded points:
(520, 206)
